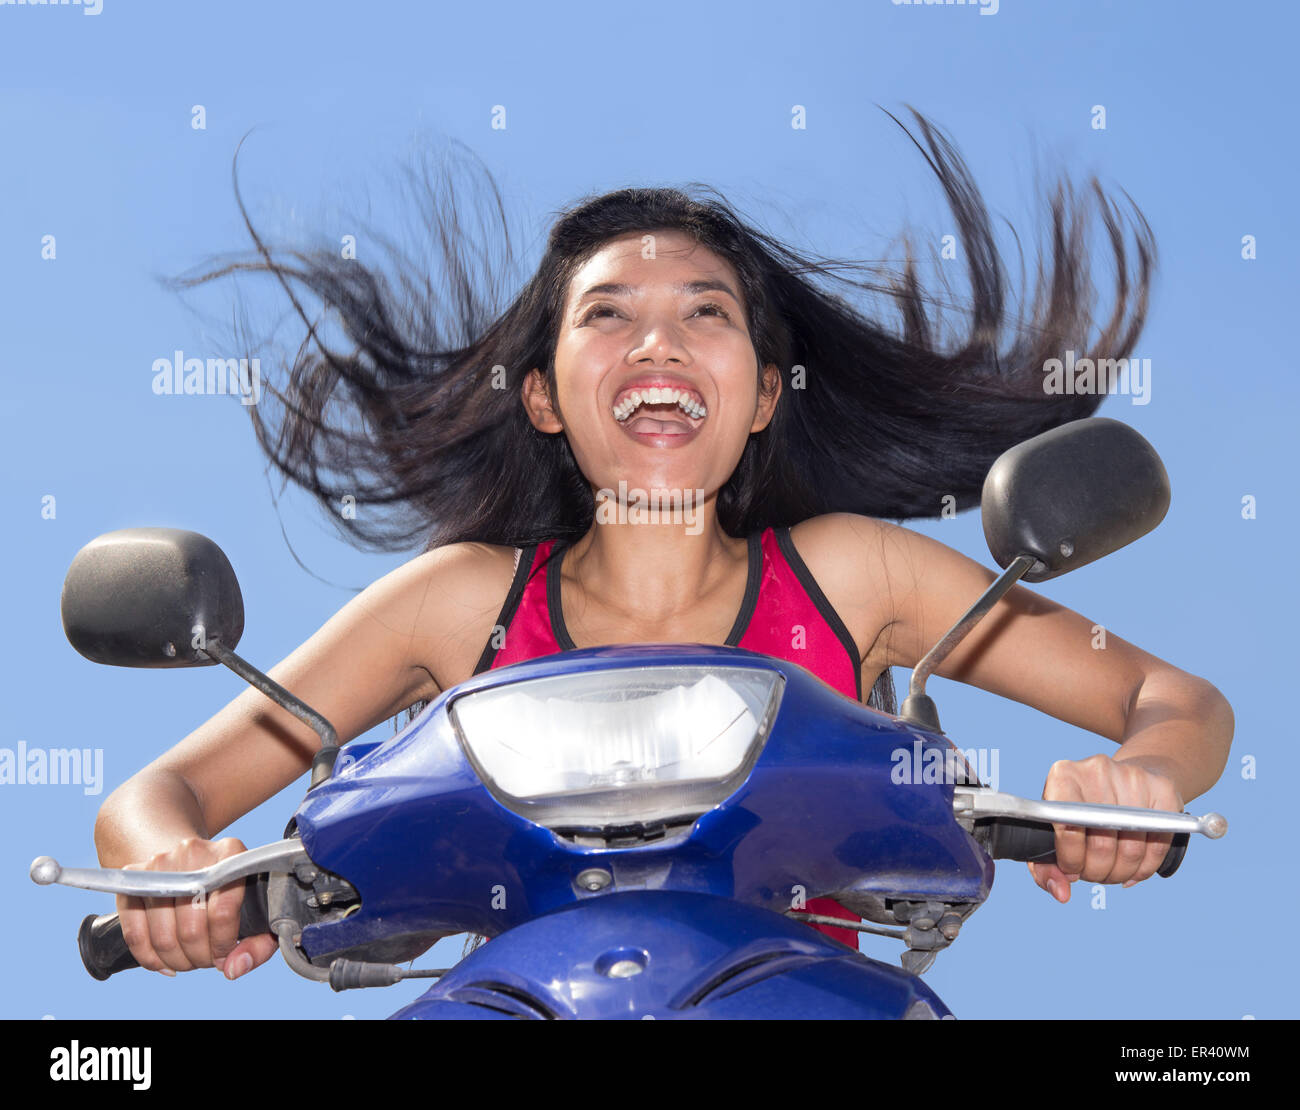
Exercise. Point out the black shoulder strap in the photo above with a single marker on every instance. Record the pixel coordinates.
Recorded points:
(508, 609)
(753, 580)
(820, 600)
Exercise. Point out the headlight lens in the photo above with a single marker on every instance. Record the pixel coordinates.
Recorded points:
(617, 747)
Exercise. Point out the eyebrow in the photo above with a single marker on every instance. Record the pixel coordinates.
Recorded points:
(618, 289)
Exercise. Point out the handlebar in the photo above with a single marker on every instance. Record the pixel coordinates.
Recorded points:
(1010, 838)
(1011, 828)
(104, 950)
(1018, 828)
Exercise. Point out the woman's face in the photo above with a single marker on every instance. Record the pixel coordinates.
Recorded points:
(655, 311)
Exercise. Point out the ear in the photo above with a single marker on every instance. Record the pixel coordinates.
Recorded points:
(537, 402)
(769, 391)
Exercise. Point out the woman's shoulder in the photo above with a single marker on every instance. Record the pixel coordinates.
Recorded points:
(443, 591)
(470, 572)
(858, 558)
(838, 543)
(444, 602)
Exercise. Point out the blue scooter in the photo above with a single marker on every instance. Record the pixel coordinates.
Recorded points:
(636, 828)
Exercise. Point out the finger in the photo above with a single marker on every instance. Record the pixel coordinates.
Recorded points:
(1139, 854)
(223, 920)
(1157, 847)
(133, 916)
(1130, 785)
(1162, 794)
(1130, 854)
(1052, 879)
(1102, 844)
(249, 953)
(1071, 845)
(192, 929)
(223, 908)
(161, 914)
(189, 915)
(164, 932)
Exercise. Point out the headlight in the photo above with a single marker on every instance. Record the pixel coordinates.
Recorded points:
(617, 747)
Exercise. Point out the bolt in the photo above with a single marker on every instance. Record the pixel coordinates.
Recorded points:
(594, 878)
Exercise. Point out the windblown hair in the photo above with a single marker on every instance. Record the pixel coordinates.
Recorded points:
(409, 417)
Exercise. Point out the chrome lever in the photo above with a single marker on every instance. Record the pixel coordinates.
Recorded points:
(282, 855)
(974, 801)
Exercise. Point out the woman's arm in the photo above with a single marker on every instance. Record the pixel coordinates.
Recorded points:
(1173, 728)
(397, 642)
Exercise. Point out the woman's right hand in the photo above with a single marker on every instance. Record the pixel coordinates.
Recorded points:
(180, 934)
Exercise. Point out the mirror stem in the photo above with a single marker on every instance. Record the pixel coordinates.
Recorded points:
(322, 765)
(918, 707)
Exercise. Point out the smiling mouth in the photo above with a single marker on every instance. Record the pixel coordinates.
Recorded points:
(659, 410)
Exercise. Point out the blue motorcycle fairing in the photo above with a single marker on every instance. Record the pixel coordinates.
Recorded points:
(699, 956)
(409, 823)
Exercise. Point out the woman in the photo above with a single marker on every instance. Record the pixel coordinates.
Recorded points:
(665, 345)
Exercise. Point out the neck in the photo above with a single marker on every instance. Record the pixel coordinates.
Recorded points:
(653, 566)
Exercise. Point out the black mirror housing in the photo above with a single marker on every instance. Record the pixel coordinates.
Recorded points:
(151, 597)
(1072, 495)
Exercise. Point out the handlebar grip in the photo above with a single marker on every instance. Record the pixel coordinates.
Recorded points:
(105, 953)
(1031, 840)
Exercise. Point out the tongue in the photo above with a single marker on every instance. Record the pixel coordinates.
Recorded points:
(668, 425)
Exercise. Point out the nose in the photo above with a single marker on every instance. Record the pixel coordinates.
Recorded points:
(661, 343)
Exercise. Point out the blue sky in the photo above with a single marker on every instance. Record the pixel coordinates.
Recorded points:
(99, 151)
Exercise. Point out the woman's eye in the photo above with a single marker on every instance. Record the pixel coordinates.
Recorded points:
(716, 307)
(603, 310)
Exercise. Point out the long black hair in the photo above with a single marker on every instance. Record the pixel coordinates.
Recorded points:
(415, 414)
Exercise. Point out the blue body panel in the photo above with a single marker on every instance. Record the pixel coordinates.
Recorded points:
(409, 823)
(701, 957)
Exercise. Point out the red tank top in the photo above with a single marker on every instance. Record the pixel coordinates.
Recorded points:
(784, 614)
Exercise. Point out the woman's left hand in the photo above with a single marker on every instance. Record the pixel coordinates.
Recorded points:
(1105, 855)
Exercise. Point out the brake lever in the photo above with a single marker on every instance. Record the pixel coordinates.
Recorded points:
(976, 801)
(282, 855)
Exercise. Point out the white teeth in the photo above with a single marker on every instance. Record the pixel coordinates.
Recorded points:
(656, 395)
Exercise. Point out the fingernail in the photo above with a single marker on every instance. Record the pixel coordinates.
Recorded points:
(1073, 878)
(1054, 889)
(1130, 882)
(242, 964)
(219, 963)
(167, 971)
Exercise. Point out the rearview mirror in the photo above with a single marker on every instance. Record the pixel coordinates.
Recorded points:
(1072, 495)
(151, 597)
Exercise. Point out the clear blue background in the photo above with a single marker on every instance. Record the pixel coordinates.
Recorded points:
(98, 150)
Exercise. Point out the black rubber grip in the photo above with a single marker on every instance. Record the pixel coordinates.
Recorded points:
(1030, 840)
(105, 953)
